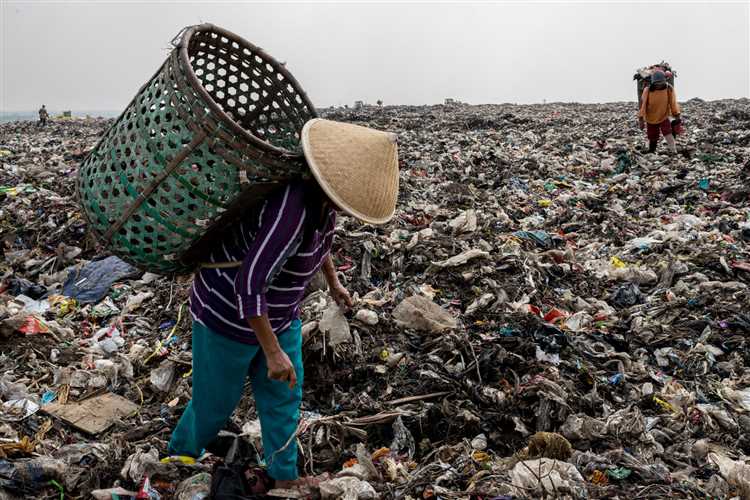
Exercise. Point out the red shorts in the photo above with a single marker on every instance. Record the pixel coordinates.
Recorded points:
(652, 131)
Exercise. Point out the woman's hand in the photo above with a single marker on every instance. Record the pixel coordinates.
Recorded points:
(340, 295)
(280, 368)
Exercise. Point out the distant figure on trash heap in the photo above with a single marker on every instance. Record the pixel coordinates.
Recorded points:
(245, 301)
(658, 103)
(43, 116)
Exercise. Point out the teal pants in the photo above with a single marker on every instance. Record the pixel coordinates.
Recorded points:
(220, 367)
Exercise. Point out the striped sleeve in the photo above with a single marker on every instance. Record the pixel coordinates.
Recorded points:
(279, 228)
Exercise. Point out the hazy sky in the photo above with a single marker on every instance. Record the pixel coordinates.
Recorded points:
(95, 55)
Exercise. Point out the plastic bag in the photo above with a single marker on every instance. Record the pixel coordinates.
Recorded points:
(334, 323)
(195, 487)
(421, 313)
(347, 488)
(91, 283)
(162, 376)
(20, 286)
(546, 477)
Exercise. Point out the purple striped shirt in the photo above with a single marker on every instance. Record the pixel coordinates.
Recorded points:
(281, 246)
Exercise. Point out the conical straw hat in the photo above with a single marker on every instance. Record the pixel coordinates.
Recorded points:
(357, 167)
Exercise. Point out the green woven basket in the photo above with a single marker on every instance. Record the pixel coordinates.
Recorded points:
(212, 131)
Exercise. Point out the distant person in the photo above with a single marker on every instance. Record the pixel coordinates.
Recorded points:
(658, 103)
(43, 116)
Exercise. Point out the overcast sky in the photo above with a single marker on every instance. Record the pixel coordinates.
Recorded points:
(95, 55)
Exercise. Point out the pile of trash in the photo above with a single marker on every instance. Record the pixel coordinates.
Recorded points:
(551, 313)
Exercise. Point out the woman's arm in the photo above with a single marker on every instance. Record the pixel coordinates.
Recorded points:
(335, 288)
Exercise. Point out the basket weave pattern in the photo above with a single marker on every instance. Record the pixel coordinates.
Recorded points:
(219, 117)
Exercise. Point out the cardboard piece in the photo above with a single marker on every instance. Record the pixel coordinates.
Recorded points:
(93, 415)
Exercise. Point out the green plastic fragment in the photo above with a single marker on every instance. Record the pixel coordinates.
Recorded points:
(619, 473)
(59, 487)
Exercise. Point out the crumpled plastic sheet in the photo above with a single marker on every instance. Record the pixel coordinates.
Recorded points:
(420, 313)
(347, 488)
(736, 472)
(91, 283)
(334, 323)
(547, 478)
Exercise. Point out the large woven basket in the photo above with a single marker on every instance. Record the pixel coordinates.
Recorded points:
(216, 127)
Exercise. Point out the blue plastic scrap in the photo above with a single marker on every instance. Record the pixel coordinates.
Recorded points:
(90, 283)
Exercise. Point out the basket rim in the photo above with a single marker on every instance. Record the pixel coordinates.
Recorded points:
(215, 108)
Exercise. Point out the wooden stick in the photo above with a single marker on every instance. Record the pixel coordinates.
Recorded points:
(198, 137)
(411, 399)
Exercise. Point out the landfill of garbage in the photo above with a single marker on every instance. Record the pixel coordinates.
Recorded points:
(552, 313)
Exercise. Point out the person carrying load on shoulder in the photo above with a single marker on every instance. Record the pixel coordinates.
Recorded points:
(43, 116)
(245, 302)
(658, 103)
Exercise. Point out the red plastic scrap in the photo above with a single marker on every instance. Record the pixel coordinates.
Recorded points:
(147, 492)
(696, 416)
(554, 314)
(33, 325)
(348, 263)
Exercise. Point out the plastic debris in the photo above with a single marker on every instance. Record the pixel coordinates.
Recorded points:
(462, 258)
(735, 472)
(334, 323)
(30, 476)
(479, 442)
(542, 275)
(347, 488)
(196, 487)
(90, 283)
(162, 377)
(110, 493)
(18, 409)
(547, 478)
(367, 317)
(421, 313)
(32, 325)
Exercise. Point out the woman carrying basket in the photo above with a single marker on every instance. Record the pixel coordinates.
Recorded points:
(658, 102)
(245, 303)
